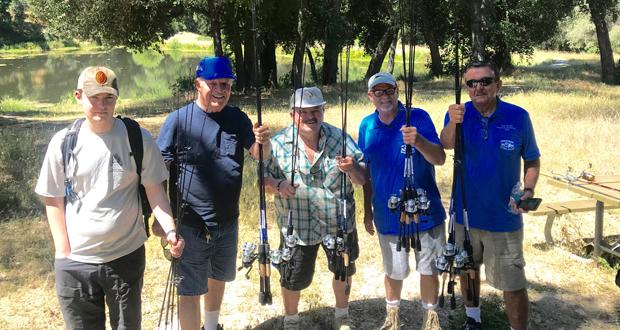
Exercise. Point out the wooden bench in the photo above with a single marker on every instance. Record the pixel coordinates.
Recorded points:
(557, 209)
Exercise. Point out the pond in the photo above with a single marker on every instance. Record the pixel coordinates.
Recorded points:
(53, 77)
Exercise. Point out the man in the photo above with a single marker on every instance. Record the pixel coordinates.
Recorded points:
(99, 233)
(313, 198)
(382, 137)
(496, 136)
(203, 143)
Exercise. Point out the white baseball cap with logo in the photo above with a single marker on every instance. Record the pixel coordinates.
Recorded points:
(307, 97)
(97, 79)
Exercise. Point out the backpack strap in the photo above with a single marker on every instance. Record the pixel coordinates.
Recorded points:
(137, 151)
(67, 146)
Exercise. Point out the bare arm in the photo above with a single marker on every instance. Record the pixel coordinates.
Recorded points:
(531, 171)
(368, 213)
(432, 152)
(355, 170)
(448, 133)
(55, 209)
(163, 215)
(261, 135)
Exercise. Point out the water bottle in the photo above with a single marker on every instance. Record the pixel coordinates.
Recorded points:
(515, 195)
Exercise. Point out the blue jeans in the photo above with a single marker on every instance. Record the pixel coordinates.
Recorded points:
(83, 289)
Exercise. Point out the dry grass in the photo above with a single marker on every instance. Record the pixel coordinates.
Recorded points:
(576, 123)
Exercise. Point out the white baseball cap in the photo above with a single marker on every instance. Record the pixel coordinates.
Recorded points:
(307, 97)
(381, 78)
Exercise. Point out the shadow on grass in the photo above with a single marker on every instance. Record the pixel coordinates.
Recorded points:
(369, 314)
(585, 70)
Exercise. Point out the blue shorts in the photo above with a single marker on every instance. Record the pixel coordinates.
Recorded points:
(203, 259)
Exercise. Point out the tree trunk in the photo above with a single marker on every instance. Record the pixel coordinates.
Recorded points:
(269, 66)
(216, 29)
(248, 58)
(598, 11)
(315, 74)
(376, 60)
(330, 63)
(235, 42)
(431, 41)
(477, 34)
(503, 59)
(392, 54)
(298, 56)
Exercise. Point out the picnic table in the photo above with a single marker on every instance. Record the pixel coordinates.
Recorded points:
(603, 192)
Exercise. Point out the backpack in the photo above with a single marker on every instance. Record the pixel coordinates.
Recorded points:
(137, 151)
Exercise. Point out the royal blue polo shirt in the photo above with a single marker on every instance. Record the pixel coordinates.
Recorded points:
(384, 151)
(209, 147)
(493, 149)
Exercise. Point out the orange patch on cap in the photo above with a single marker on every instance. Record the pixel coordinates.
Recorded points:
(101, 77)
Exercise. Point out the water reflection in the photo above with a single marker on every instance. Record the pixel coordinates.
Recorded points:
(52, 77)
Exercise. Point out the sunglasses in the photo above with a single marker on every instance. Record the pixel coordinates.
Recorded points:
(486, 81)
(166, 250)
(381, 92)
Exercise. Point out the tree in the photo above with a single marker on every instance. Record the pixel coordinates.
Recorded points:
(14, 23)
(599, 9)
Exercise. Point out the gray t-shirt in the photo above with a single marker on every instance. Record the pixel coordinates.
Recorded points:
(105, 222)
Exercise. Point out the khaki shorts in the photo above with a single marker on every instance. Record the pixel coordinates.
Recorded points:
(396, 264)
(502, 256)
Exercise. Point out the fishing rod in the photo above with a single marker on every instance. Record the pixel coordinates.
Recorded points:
(412, 202)
(263, 255)
(445, 262)
(339, 246)
(170, 302)
(453, 261)
(282, 256)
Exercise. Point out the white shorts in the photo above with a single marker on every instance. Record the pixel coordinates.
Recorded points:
(396, 264)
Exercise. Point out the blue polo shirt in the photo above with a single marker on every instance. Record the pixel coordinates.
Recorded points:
(493, 149)
(384, 151)
(209, 146)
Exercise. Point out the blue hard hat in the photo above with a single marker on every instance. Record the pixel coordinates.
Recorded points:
(211, 68)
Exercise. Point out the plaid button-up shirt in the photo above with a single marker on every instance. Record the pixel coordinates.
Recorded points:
(315, 206)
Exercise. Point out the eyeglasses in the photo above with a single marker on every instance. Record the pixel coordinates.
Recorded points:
(165, 249)
(486, 81)
(380, 92)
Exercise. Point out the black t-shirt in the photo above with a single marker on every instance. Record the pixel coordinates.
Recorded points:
(206, 155)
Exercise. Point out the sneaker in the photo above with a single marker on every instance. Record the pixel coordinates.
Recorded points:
(392, 321)
(431, 320)
(342, 323)
(292, 324)
(471, 324)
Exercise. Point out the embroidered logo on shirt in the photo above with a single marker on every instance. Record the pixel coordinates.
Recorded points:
(403, 149)
(506, 145)
(506, 127)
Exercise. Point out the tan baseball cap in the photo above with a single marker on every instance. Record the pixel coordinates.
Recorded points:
(97, 79)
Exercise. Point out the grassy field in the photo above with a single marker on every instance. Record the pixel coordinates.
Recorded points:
(576, 120)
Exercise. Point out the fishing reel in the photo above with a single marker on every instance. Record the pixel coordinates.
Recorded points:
(285, 254)
(333, 243)
(248, 256)
(418, 204)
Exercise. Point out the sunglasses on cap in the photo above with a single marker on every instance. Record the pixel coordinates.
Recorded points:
(381, 92)
(486, 81)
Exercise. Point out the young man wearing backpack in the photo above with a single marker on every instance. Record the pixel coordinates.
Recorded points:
(91, 191)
